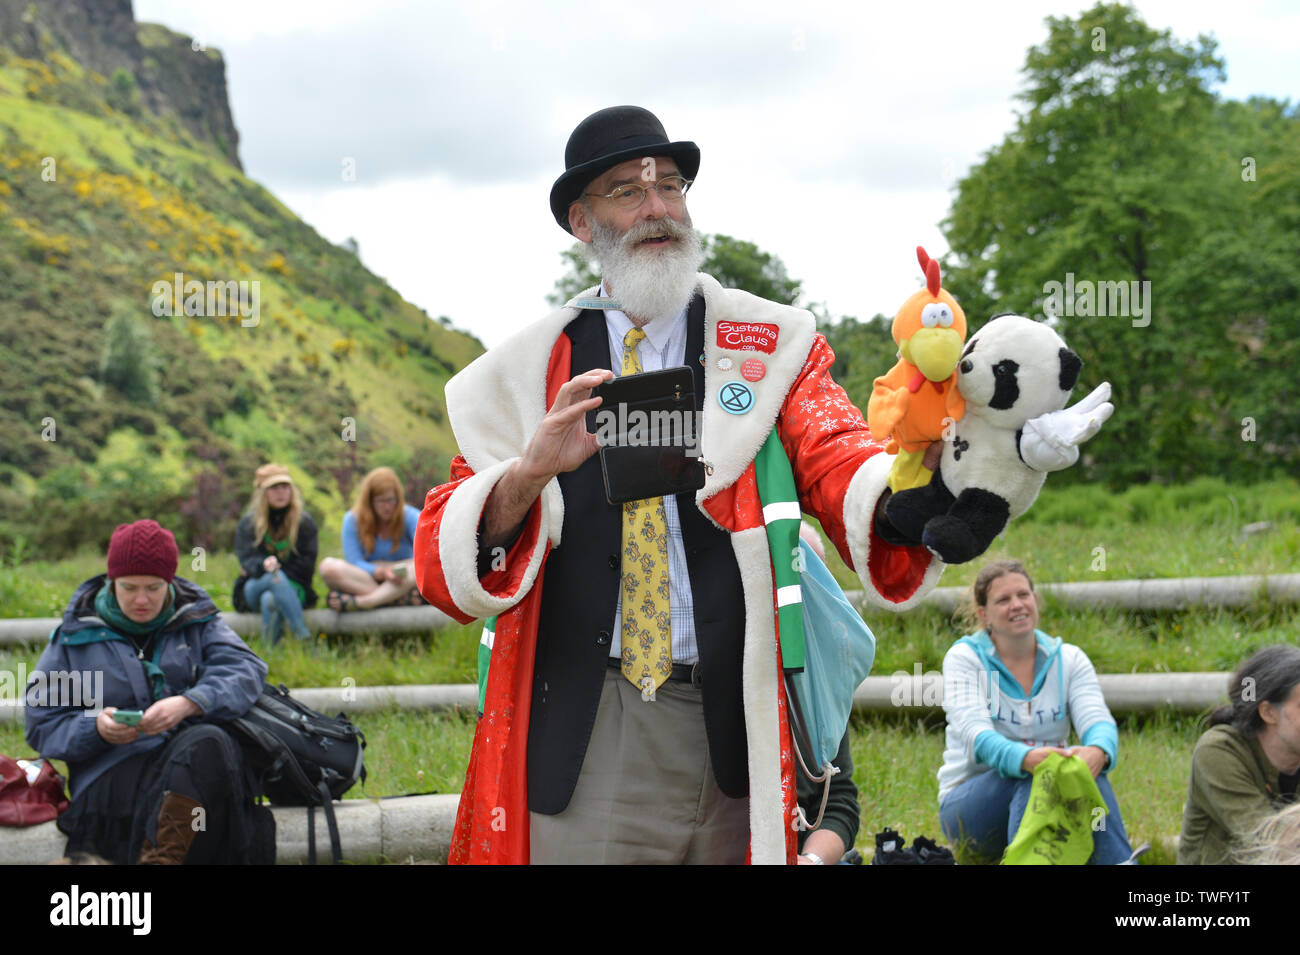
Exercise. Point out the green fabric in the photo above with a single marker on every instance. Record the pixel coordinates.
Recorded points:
(1057, 826)
(276, 549)
(485, 659)
(780, 502)
(107, 607)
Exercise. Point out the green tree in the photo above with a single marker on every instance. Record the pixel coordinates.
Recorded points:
(123, 94)
(863, 352)
(129, 362)
(736, 263)
(1123, 167)
(579, 274)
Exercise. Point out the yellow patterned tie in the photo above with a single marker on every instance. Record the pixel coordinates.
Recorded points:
(647, 640)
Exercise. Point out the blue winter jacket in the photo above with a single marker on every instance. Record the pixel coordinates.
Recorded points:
(199, 655)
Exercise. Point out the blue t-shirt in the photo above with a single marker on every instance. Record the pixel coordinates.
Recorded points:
(384, 549)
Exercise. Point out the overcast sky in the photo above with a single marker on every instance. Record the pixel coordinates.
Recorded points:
(831, 134)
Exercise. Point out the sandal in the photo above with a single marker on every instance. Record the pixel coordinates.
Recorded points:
(412, 598)
(341, 602)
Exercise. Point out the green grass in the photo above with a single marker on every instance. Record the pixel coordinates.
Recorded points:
(1084, 533)
(1193, 640)
(448, 656)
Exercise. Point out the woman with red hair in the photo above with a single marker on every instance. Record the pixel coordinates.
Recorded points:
(377, 568)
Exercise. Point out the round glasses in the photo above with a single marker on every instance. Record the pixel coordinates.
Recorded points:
(671, 189)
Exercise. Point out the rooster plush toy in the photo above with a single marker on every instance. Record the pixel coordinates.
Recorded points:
(917, 399)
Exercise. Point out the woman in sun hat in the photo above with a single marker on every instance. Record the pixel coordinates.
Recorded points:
(275, 543)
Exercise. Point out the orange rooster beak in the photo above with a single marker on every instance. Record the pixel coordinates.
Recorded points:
(934, 351)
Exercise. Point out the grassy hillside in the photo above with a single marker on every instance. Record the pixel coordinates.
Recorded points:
(112, 411)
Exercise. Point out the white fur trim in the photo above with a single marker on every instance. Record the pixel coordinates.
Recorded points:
(458, 545)
(859, 511)
(729, 442)
(496, 402)
(767, 820)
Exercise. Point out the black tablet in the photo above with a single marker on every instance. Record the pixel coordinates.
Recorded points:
(648, 428)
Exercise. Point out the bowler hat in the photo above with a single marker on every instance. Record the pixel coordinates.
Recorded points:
(606, 138)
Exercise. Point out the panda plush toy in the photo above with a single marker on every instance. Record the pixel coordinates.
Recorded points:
(1016, 376)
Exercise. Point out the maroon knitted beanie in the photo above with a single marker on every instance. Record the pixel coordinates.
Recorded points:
(145, 548)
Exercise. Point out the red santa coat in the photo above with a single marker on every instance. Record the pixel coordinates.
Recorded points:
(495, 406)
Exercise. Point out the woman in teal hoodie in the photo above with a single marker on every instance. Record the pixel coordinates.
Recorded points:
(1011, 694)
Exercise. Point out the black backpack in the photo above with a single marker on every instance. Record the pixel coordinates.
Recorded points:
(302, 758)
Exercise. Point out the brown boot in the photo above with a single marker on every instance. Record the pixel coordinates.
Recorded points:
(175, 831)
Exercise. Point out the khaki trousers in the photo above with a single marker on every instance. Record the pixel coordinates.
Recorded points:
(646, 793)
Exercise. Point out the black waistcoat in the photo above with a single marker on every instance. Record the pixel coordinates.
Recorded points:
(580, 592)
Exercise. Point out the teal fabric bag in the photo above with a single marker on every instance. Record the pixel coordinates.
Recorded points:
(839, 649)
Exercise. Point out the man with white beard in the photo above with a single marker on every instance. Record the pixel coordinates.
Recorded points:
(673, 746)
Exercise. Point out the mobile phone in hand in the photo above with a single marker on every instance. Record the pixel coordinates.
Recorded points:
(128, 717)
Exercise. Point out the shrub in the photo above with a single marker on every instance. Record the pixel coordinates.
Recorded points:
(129, 361)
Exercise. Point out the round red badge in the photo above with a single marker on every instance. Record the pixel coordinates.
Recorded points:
(753, 369)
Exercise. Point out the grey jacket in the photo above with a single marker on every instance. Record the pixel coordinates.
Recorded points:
(200, 657)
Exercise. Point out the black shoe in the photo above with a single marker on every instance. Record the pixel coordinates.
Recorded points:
(852, 857)
(890, 851)
(928, 853)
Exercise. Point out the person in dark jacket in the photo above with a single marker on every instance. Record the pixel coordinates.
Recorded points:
(276, 544)
(170, 785)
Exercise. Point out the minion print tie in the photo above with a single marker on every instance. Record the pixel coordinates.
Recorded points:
(647, 641)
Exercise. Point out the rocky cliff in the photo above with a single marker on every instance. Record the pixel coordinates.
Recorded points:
(141, 67)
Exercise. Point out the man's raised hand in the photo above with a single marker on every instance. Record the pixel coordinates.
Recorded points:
(562, 441)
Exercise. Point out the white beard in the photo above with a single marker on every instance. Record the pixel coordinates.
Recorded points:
(649, 282)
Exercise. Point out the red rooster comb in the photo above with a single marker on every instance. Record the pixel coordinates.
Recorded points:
(931, 269)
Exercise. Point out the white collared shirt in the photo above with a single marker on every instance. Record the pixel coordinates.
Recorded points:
(664, 346)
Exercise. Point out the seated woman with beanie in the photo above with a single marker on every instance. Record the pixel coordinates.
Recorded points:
(152, 777)
(1245, 766)
(378, 539)
(275, 544)
(1011, 694)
